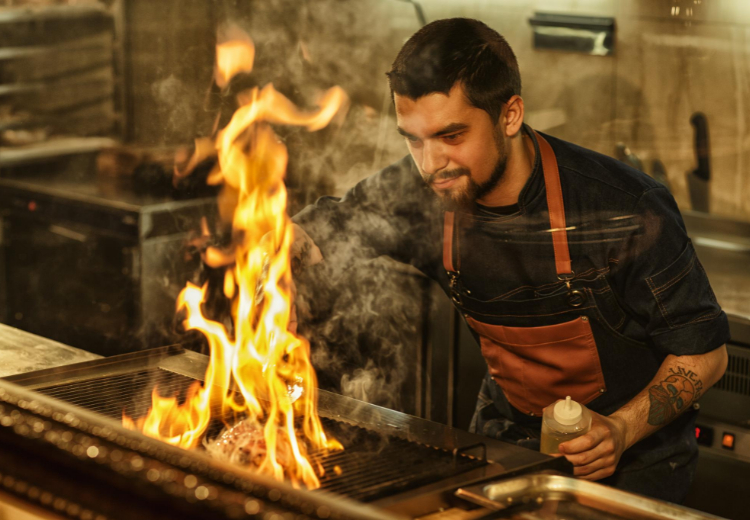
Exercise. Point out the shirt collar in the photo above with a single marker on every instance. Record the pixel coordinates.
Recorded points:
(535, 183)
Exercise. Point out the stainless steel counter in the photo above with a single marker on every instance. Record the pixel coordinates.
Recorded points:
(723, 246)
(24, 352)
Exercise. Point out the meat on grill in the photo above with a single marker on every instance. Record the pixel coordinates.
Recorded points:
(244, 444)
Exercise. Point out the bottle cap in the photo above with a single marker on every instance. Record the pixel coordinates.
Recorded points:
(567, 411)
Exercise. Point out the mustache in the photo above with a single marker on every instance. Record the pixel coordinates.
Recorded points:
(447, 175)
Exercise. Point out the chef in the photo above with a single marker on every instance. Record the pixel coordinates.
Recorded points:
(573, 271)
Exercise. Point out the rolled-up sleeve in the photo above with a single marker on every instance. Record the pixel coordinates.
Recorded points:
(664, 284)
(389, 213)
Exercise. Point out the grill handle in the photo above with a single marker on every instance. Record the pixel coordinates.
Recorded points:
(462, 451)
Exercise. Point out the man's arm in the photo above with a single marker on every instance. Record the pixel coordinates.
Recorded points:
(303, 253)
(680, 381)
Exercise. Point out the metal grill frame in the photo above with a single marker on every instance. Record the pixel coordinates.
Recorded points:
(373, 466)
(507, 460)
(78, 464)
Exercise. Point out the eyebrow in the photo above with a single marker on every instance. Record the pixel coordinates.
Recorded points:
(451, 128)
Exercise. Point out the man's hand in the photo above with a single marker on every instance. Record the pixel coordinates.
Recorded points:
(596, 454)
(303, 253)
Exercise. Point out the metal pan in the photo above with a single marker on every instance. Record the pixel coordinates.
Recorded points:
(553, 497)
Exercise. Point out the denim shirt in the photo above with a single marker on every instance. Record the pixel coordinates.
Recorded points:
(624, 228)
(629, 250)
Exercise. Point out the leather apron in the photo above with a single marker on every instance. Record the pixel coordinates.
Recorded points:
(561, 338)
(555, 357)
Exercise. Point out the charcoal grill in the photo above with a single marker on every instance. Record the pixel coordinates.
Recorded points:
(392, 462)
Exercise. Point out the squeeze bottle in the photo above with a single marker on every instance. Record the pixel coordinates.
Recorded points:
(561, 422)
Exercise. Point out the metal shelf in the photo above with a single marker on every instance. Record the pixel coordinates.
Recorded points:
(56, 12)
(67, 82)
(53, 148)
(81, 44)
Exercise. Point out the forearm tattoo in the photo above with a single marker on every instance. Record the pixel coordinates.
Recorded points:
(673, 395)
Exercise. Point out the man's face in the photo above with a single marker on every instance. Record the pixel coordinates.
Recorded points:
(459, 150)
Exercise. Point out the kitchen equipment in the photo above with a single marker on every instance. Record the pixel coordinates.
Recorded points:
(552, 497)
(60, 461)
(626, 155)
(659, 173)
(23, 352)
(61, 89)
(392, 461)
(62, 448)
(92, 261)
(698, 179)
(592, 35)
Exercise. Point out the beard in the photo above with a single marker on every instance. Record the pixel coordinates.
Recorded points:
(466, 197)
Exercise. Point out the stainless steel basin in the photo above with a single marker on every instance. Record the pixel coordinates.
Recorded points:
(723, 247)
(555, 497)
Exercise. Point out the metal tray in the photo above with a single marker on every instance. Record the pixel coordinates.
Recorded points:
(553, 497)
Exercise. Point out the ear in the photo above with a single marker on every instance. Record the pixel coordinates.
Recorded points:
(513, 116)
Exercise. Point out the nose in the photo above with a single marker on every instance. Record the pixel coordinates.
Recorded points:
(433, 158)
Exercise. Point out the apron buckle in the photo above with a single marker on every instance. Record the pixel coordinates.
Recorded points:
(455, 293)
(576, 298)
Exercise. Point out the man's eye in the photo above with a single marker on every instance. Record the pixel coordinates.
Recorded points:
(452, 137)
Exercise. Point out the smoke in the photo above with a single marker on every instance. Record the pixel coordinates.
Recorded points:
(366, 384)
(364, 314)
(175, 110)
(305, 47)
(364, 330)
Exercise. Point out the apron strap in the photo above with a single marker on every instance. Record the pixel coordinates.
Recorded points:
(556, 216)
(556, 208)
(448, 220)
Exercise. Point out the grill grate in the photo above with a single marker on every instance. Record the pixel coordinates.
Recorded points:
(370, 467)
(129, 393)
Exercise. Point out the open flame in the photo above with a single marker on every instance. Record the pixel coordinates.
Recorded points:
(261, 372)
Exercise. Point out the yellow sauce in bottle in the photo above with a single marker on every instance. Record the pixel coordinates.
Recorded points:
(563, 421)
(551, 439)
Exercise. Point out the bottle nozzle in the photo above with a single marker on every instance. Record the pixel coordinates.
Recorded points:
(567, 412)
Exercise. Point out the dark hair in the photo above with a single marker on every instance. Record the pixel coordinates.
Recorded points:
(457, 50)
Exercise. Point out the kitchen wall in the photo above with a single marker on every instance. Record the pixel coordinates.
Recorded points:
(169, 54)
(672, 58)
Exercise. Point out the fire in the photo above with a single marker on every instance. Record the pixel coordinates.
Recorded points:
(233, 57)
(260, 371)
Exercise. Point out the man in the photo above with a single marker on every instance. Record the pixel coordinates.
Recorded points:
(573, 271)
